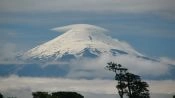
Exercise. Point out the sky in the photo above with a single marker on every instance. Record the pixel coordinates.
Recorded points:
(147, 25)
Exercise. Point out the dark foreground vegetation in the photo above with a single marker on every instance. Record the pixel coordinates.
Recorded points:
(1, 96)
(52, 95)
(129, 84)
(56, 95)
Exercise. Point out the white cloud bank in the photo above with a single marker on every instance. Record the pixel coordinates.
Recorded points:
(96, 86)
(58, 84)
(95, 68)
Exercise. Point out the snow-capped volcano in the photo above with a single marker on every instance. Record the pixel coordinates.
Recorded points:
(77, 41)
(82, 51)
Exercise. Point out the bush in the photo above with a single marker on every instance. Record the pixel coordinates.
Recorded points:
(56, 95)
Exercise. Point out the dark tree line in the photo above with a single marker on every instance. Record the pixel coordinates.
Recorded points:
(56, 95)
(52, 95)
(128, 83)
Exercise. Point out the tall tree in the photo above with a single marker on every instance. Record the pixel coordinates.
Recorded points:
(119, 76)
(128, 83)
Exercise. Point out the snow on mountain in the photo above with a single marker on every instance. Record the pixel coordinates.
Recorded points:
(77, 41)
(82, 51)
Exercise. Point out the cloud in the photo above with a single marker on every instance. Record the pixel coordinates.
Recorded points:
(165, 7)
(58, 84)
(88, 27)
(8, 53)
(167, 60)
(17, 93)
(26, 85)
(163, 86)
(95, 68)
(143, 66)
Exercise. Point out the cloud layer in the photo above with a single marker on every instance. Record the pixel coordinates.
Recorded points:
(165, 7)
(89, 68)
(96, 86)
(95, 67)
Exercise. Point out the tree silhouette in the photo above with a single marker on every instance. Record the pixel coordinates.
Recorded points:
(119, 76)
(66, 95)
(128, 83)
(1, 96)
(40, 95)
(56, 95)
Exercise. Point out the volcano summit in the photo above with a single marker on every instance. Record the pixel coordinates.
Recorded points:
(79, 41)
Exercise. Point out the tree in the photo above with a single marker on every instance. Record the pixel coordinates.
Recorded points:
(120, 76)
(40, 95)
(66, 95)
(56, 95)
(1, 96)
(128, 83)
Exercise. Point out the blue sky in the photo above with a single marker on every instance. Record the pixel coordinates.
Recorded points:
(147, 25)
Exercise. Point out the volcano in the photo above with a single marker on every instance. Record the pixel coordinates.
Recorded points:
(82, 51)
(79, 41)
